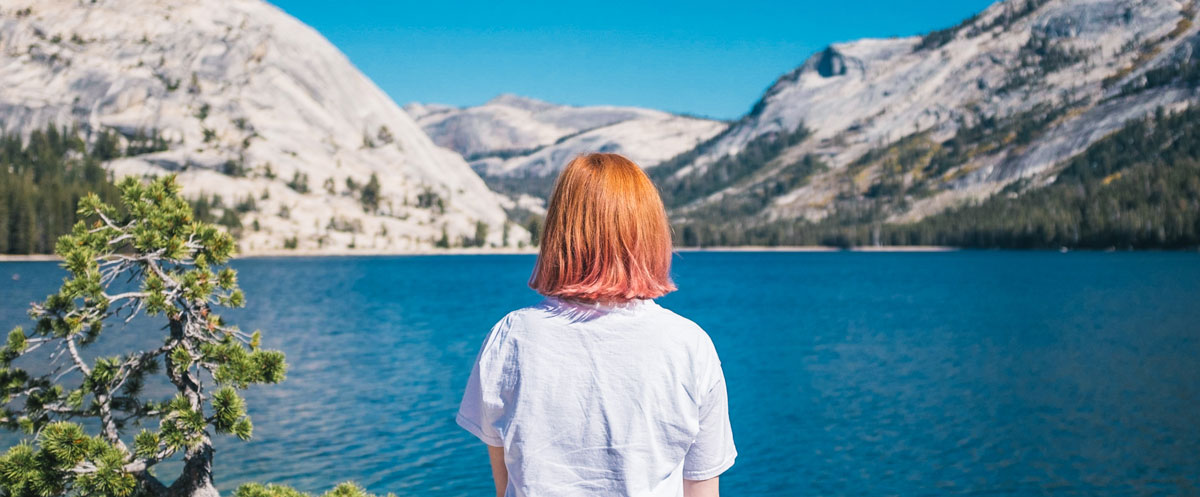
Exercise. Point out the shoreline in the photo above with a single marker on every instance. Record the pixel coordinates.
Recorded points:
(818, 248)
(513, 251)
(281, 254)
(29, 257)
(516, 251)
(379, 253)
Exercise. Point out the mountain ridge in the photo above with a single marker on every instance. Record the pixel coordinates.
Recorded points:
(1007, 95)
(251, 103)
(512, 135)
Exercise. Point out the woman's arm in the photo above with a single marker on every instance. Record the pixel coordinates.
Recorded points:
(500, 471)
(701, 488)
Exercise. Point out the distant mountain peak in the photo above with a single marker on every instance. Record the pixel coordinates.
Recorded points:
(829, 63)
(521, 102)
(516, 136)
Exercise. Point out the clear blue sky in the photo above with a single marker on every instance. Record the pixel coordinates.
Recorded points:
(707, 58)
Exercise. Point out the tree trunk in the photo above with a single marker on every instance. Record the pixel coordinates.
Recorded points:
(148, 485)
(196, 480)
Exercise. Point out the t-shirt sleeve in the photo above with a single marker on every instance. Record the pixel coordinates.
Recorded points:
(482, 403)
(713, 451)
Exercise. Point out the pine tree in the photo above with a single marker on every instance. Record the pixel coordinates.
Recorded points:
(534, 225)
(481, 233)
(177, 269)
(370, 194)
(444, 241)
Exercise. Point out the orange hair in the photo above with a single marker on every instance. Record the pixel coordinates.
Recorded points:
(606, 236)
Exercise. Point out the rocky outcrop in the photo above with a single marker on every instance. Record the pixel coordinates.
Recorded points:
(1069, 62)
(254, 106)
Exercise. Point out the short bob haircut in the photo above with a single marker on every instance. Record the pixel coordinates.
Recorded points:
(606, 236)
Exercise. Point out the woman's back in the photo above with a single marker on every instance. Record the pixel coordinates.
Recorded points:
(595, 399)
(599, 391)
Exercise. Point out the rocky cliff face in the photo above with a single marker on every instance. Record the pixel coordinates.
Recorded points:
(516, 136)
(913, 125)
(253, 104)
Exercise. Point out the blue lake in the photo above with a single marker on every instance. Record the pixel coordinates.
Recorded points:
(1007, 373)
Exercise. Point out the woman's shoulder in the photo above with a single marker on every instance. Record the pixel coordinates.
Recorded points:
(675, 321)
(551, 312)
(521, 318)
(693, 338)
(682, 327)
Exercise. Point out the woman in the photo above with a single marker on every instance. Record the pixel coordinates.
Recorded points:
(597, 390)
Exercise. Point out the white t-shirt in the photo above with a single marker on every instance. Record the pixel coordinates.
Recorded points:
(600, 400)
